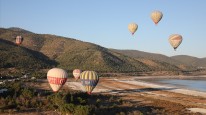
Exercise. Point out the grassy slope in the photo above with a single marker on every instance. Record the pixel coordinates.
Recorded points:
(71, 53)
(13, 55)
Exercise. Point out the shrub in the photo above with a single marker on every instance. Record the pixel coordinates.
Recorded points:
(67, 108)
(81, 101)
(82, 110)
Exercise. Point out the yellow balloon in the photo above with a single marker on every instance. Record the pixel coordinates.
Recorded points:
(156, 16)
(132, 27)
(89, 80)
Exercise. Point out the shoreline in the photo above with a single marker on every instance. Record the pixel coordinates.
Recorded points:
(168, 87)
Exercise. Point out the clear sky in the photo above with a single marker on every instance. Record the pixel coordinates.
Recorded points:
(106, 22)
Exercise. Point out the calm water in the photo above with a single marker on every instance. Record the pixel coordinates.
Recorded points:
(197, 84)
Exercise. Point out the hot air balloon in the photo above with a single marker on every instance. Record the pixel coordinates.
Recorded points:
(76, 73)
(89, 80)
(156, 16)
(132, 27)
(19, 40)
(175, 40)
(57, 78)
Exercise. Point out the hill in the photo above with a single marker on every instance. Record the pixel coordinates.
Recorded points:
(189, 60)
(19, 30)
(155, 58)
(71, 53)
(21, 58)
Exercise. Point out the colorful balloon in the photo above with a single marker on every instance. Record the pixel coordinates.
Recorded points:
(156, 16)
(175, 40)
(132, 27)
(57, 78)
(76, 73)
(89, 80)
(19, 40)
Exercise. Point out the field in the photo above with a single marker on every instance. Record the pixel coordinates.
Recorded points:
(125, 95)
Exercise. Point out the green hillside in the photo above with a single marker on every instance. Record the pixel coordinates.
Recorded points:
(13, 56)
(71, 53)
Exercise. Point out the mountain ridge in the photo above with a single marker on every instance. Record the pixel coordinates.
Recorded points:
(191, 60)
(71, 53)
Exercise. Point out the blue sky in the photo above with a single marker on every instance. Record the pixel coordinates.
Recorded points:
(106, 22)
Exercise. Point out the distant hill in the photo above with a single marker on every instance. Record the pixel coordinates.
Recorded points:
(13, 56)
(19, 30)
(71, 53)
(189, 60)
(154, 57)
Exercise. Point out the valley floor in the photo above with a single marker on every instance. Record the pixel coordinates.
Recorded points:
(144, 97)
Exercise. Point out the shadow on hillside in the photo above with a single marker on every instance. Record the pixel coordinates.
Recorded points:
(7, 42)
(142, 90)
(36, 54)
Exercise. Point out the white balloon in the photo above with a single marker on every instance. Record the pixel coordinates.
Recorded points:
(76, 73)
(57, 78)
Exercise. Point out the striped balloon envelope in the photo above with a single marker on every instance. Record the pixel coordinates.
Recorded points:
(76, 73)
(19, 40)
(175, 40)
(89, 80)
(56, 78)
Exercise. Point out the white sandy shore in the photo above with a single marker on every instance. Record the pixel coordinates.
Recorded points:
(169, 77)
(200, 110)
(165, 87)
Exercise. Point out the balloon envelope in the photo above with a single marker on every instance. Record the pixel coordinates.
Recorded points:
(132, 27)
(89, 80)
(57, 78)
(175, 40)
(19, 40)
(156, 16)
(76, 73)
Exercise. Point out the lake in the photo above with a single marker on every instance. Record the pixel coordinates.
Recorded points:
(194, 84)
